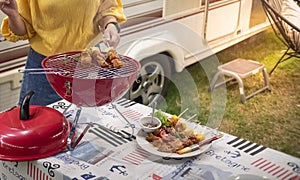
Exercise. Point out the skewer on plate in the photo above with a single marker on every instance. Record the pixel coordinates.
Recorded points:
(174, 119)
(191, 117)
(195, 147)
(197, 123)
(183, 112)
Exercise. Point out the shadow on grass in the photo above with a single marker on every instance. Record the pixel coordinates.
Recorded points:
(271, 119)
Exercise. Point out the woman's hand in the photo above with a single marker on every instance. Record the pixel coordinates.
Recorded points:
(111, 35)
(16, 24)
(9, 7)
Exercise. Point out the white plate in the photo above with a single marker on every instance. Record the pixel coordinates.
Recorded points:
(147, 146)
(247, 177)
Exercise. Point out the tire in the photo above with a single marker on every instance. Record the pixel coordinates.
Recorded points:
(153, 80)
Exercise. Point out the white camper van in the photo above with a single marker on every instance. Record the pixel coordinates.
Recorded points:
(164, 35)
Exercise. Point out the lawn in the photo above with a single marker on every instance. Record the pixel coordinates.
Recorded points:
(271, 118)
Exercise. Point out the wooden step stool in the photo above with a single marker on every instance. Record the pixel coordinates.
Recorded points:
(239, 69)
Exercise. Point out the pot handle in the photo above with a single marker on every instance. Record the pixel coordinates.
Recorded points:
(24, 109)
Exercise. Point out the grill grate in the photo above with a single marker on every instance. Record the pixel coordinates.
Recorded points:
(69, 65)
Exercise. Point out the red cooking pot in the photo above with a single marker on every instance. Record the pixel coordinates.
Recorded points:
(29, 133)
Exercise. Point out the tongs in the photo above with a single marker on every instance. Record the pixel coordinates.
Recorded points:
(71, 145)
(73, 141)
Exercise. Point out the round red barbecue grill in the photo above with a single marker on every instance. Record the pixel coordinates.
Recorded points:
(43, 131)
(89, 85)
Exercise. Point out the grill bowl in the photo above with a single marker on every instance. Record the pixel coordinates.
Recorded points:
(89, 86)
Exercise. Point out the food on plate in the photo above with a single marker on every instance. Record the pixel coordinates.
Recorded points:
(173, 119)
(173, 135)
(93, 56)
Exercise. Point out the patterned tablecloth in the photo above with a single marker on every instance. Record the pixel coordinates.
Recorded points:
(103, 154)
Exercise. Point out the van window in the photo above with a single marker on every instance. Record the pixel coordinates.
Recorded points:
(179, 6)
(140, 11)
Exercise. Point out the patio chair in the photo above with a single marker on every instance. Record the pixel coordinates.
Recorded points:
(284, 16)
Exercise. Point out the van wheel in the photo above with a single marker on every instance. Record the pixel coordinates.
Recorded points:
(153, 80)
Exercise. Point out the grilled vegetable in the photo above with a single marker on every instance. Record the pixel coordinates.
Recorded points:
(163, 118)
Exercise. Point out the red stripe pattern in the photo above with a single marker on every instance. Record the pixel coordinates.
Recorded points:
(137, 156)
(132, 114)
(35, 173)
(275, 170)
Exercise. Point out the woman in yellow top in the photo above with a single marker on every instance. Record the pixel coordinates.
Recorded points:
(58, 26)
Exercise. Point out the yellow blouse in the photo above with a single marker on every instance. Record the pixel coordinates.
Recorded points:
(57, 26)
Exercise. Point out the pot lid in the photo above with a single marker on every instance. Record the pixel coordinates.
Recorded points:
(42, 134)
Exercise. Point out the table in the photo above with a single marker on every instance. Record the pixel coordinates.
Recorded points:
(110, 157)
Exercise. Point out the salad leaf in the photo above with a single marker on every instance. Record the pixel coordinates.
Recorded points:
(163, 118)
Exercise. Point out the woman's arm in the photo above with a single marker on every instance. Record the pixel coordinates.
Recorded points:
(16, 24)
(110, 13)
(107, 19)
(110, 31)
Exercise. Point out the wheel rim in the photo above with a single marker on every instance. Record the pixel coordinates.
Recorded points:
(149, 83)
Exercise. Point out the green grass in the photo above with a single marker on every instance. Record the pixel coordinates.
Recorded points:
(271, 118)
